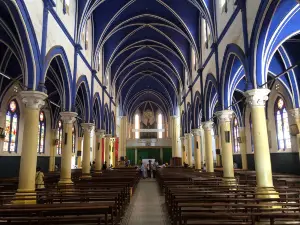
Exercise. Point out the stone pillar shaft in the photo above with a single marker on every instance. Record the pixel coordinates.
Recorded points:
(197, 146)
(183, 150)
(243, 148)
(87, 127)
(33, 101)
(79, 150)
(52, 150)
(175, 131)
(189, 139)
(99, 149)
(209, 160)
(256, 99)
(107, 149)
(225, 118)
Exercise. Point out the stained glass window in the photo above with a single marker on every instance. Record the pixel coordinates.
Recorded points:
(282, 125)
(236, 135)
(73, 139)
(59, 138)
(159, 125)
(41, 133)
(11, 127)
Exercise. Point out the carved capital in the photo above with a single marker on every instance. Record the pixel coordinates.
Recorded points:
(208, 125)
(224, 115)
(295, 113)
(196, 132)
(100, 133)
(33, 99)
(257, 97)
(87, 126)
(68, 117)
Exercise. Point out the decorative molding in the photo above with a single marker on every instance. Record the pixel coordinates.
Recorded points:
(87, 126)
(257, 97)
(208, 125)
(33, 99)
(224, 115)
(68, 117)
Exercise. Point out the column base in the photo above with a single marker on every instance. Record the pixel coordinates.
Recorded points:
(266, 192)
(98, 171)
(85, 176)
(65, 182)
(229, 181)
(23, 197)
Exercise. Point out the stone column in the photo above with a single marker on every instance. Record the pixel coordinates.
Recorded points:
(295, 118)
(197, 154)
(218, 156)
(243, 148)
(33, 101)
(175, 131)
(52, 151)
(122, 136)
(256, 99)
(68, 119)
(113, 152)
(79, 152)
(87, 127)
(209, 160)
(107, 149)
(183, 150)
(99, 149)
(189, 139)
(161, 155)
(135, 156)
(225, 118)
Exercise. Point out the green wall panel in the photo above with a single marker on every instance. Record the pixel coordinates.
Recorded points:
(148, 153)
(130, 155)
(167, 155)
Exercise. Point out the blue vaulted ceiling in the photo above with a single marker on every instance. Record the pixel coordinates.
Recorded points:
(145, 46)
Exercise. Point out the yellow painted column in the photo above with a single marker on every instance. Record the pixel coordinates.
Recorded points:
(175, 132)
(87, 127)
(68, 119)
(225, 118)
(256, 99)
(113, 152)
(99, 149)
(52, 150)
(197, 147)
(107, 148)
(79, 152)
(189, 140)
(243, 148)
(33, 101)
(183, 152)
(209, 160)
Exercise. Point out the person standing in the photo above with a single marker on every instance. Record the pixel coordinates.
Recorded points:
(143, 171)
(154, 168)
(39, 179)
(149, 170)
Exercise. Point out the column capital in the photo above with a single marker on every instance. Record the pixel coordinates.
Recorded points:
(224, 115)
(187, 135)
(33, 99)
(196, 132)
(88, 126)
(208, 125)
(295, 112)
(107, 135)
(100, 132)
(174, 117)
(68, 117)
(182, 138)
(257, 97)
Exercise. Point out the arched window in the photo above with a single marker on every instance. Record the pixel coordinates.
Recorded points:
(159, 125)
(73, 139)
(206, 33)
(41, 133)
(59, 138)
(282, 125)
(236, 135)
(11, 127)
(137, 126)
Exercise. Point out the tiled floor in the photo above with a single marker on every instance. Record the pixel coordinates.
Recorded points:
(147, 206)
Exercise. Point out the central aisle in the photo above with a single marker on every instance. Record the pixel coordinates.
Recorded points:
(147, 206)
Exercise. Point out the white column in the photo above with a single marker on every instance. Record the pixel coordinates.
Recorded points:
(161, 155)
(87, 127)
(209, 160)
(107, 149)
(197, 141)
(189, 148)
(135, 156)
(68, 119)
(183, 150)
(33, 101)
(256, 99)
(122, 136)
(99, 149)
